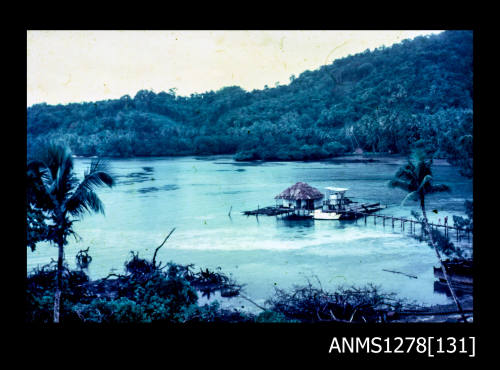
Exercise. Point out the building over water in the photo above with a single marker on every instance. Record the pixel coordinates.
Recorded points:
(301, 197)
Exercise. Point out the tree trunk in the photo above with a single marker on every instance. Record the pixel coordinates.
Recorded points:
(443, 268)
(422, 205)
(57, 297)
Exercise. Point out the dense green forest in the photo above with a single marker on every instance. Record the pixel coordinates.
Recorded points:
(415, 93)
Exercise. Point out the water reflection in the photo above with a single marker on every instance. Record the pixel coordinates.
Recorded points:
(294, 223)
(151, 189)
(135, 177)
(460, 291)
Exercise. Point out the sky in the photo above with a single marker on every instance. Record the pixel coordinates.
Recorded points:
(77, 66)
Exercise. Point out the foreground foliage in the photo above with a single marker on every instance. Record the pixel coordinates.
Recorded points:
(146, 293)
(353, 304)
(56, 195)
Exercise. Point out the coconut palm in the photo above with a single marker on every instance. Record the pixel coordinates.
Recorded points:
(65, 198)
(416, 179)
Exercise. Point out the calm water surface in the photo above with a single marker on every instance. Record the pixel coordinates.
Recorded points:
(194, 195)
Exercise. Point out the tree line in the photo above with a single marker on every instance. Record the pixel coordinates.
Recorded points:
(417, 92)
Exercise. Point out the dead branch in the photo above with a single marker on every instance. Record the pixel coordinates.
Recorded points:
(402, 273)
(112, 274)
(251, 301)
(161, 245)
(335, 319)
(354, 313)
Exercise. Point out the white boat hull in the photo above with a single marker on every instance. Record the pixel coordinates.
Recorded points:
(320, 215)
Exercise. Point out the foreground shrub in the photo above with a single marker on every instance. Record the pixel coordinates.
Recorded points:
(145, 293)
(122, 310)
(272, 317)
(310, 304)
(40, 289)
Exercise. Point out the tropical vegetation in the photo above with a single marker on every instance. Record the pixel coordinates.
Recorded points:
(416, 179)
(56, 199)
(417, 92)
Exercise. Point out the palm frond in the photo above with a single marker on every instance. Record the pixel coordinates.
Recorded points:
(98, 174)
(65, 181)
(413, 196)
(84, 198)
(407, 172)
(398, 183)
(58, 175)
(426, 180)
(54, 156)
(37, 188)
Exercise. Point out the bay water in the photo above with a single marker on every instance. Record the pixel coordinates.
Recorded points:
(196, 194)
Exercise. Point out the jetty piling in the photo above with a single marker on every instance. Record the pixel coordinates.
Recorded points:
(284, 211)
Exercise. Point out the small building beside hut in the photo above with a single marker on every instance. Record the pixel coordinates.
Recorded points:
(302, 198)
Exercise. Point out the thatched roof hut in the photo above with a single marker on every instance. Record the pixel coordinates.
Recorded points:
(300, 190)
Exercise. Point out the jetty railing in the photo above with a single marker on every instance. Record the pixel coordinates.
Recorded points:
(404, 223)
(412, 224)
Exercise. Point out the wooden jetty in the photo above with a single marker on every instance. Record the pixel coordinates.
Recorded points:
(269, 211)
(404, 224)
(411, 225)
(304, 201)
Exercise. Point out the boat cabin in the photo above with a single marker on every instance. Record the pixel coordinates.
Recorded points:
(335, 199)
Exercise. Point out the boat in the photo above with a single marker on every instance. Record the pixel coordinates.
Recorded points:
(320, 215)
(458, 271)
(337, 206)
(303, 201)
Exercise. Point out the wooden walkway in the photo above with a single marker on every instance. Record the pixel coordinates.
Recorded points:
(411, 225)
(269, 211)
(404, 224)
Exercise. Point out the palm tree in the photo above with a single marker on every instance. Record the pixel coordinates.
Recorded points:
(64, 197)
(416, 179)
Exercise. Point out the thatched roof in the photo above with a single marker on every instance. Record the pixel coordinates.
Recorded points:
(300, 190)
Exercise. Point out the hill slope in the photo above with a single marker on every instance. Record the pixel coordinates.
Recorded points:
(418, 92)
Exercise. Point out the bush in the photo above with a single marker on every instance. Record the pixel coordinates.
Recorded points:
(166, 298)
(310, 304)
(144, 294)
(272, 317)
(213, 313)
(334, 148)
(40, 289)
(122, 310)
(247, 155)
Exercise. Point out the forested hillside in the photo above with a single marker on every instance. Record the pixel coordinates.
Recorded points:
(418, 92)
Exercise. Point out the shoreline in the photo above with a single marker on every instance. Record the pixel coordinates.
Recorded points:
(345, 158)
